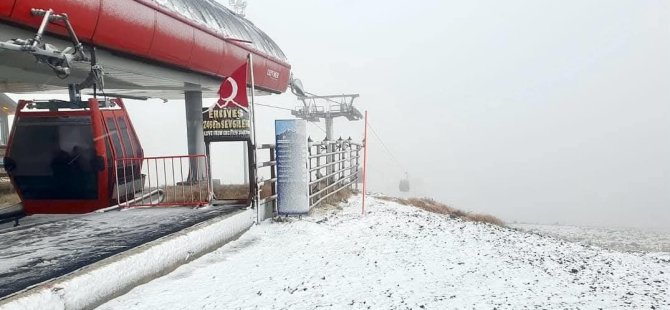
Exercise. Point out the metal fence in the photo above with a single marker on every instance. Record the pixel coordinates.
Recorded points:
(268, 187)
(162, 181)
(185, 181)
(333, 167)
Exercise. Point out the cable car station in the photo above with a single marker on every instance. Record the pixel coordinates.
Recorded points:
(93, 142)
(75, 163)
(83, 154)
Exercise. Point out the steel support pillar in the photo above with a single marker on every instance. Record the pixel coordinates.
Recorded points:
(330, 146)
(246, 164)
(329, 128)
(4, 128)
(194, 134)
(8, 107)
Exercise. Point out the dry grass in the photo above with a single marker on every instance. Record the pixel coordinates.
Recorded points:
(341, 196)
(6, 187)
(8, 195)
(185, 194)
(175, 194)
(232, 192)
(240, 191)
(433, 206)
(9, 199)
(485, 218)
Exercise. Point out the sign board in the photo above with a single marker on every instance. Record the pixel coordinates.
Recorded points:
(228, 119)
(226, 124)
(292, 173)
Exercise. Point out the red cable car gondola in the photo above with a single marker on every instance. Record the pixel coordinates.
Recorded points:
(404, 184)
(61, 155)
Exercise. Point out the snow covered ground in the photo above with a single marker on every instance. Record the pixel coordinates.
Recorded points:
(620, 239)
(399, 257)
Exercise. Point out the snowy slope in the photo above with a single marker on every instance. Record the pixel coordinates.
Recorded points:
(398, 257)
(621, 239)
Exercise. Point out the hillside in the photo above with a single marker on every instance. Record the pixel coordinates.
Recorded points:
(400, 257)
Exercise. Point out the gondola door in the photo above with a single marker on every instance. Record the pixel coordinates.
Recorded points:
(101, 157)
(125, 166)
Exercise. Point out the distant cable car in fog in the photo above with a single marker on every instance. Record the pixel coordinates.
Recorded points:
(61, 155)
(404, 184)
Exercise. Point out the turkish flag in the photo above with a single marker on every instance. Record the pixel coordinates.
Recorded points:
(233, 90)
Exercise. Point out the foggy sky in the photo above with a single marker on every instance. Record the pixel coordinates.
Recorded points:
(541, 111)
(533, 111)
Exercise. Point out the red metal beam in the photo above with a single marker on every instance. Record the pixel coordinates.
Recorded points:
(144, 29)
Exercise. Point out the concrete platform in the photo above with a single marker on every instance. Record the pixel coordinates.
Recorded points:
(48, 247)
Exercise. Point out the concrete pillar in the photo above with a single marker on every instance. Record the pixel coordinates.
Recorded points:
(7, 106)
(246, 163)
(194, 134)
(330, 146)
(329, 128)
(4, 128)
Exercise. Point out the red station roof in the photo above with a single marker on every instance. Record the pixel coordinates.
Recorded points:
(198, 36)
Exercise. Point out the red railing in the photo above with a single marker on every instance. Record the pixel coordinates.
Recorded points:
(162, 181)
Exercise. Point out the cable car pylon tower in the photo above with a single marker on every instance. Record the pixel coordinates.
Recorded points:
(315, 108)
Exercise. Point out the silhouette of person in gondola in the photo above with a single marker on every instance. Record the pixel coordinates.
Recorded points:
(61, 167)
(71, 170)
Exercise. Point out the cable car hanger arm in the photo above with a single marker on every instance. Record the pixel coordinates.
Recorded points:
(58, 60)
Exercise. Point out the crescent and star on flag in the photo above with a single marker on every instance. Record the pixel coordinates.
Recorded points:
(233, 90)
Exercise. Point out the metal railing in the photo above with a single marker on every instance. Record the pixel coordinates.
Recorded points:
(267, 189)
(333, 166)
(175, 180)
